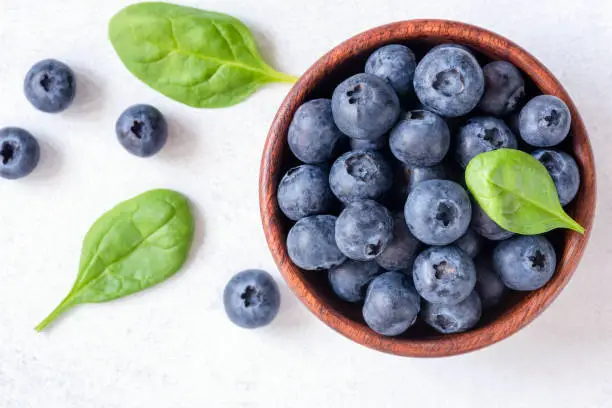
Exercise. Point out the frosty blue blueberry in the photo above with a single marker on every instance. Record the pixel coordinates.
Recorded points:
(564, 171)
(438, 212)
(453, 318)
(504, 88)
(544, 121)
(359, 175)
(449, 81)
(304, 191)
(420, 138)
(363, 230)
(251, 299)
(313, 135)
(50, 86)
(444, 275)
(391, 305)
(311, 244)
(365, 107)
(142, 130)
(401, 251)
(19, 153)
(525, 262)
(350, 280)
(482, 134)
(395, 63)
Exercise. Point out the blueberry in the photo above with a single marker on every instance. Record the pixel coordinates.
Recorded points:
(142, 130)
(251, 299)
(304, 191)
(453, 318)
(444, 275)
(19, 153)
(485, 226)
(359, 175)
(395, 64)
(363, 230)
(525, 262)
(420, 138)
(563, 170)
(313, 136)
(449, 81)
(401, 251)
(489, 286)
(365, 107)
(419, 174)
(482, 134)
(351, 279)
(504, 88)
(471, 243)
(438, 212)
(392, 304)
(365, 144)
(50, 86)
(311, 244)
(544, 121)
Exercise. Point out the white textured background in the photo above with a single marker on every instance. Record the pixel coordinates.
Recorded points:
(172, 347)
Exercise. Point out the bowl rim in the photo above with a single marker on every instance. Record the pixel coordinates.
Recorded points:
(519, 315)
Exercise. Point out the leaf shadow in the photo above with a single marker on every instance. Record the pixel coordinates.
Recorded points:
(265, 46)
(198, 235)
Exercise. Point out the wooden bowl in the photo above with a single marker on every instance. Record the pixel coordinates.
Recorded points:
(312, 288)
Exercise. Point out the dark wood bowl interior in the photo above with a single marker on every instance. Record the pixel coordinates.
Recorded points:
(313, 288)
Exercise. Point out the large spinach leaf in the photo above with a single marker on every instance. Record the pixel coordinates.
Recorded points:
(200, 58)
(137, 244)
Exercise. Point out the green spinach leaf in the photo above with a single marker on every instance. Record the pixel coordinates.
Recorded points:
(200, 58)
(516, 191)
(137, 244)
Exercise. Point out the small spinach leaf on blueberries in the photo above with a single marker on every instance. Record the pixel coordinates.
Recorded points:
(516, 191)
(200, 58)
(137, 244)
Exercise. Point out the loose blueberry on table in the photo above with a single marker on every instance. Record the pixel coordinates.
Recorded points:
(50, 86)
(447, 256)
(19, 153)
(251, 299)
(142, 130)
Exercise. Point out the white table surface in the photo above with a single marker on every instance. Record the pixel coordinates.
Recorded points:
(173, 346)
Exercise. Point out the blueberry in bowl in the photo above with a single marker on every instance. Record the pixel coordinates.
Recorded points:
(457, 78)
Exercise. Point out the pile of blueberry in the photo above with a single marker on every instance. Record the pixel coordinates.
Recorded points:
(391, 221)
(50, 86)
